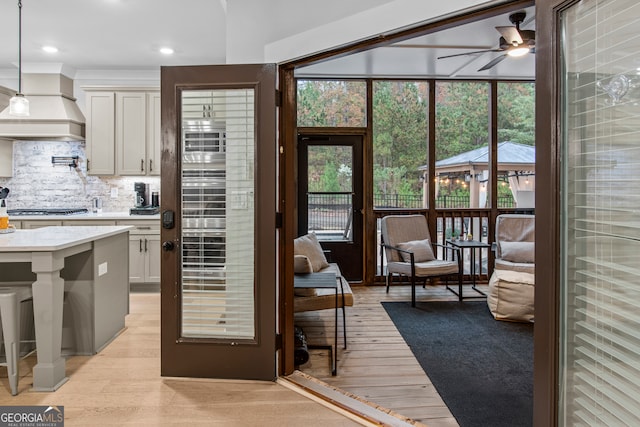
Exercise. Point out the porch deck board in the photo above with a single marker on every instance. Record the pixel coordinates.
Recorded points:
(377, 364)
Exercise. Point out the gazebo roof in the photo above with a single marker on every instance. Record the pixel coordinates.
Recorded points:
(510, 155)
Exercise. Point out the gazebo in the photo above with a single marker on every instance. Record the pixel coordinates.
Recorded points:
(516, 164)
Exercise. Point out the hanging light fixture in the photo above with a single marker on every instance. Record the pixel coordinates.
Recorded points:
(19, 105)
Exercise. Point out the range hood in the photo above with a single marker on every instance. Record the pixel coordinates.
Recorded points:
(54, 114)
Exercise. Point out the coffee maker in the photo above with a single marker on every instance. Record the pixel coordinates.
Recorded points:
(143, 203)
(141, 191)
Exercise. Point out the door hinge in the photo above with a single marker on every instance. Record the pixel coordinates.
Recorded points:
(278, 341)
(279, 219)
(278, 98)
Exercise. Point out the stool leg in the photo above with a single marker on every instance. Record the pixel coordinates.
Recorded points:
(10, 308)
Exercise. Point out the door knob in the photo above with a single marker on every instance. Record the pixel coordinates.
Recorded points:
(168, 246)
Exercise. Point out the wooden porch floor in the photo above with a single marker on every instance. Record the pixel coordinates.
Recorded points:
(378, 365)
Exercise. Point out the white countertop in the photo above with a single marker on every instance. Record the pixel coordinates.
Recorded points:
(48, 239)
(95, 216)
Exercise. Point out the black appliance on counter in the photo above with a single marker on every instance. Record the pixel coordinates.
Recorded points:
(52, 211)
(143, 205)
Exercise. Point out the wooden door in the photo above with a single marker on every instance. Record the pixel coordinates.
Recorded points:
(218, 213)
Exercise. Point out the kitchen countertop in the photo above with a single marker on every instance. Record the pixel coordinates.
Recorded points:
(114, 216)
(55, 238)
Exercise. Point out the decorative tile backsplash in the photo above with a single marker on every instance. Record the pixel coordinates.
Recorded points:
(37, 183)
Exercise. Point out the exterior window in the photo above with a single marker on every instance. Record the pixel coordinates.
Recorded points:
(516, 145)
(332, 103)
(400, 134)
(462, 140)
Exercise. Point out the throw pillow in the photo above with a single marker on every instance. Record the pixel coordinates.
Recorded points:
(422, 250)
(309, 246)
(302, 265)
(518, 251)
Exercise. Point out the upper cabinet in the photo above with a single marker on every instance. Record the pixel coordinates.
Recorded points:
(123, 131)
(6, 145)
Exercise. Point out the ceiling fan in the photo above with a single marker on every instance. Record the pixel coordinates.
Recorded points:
(513, 42)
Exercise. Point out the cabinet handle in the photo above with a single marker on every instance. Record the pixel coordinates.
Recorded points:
(141, 165)
(140, 245)
(150, 165)
(145, 245)
(143, 227)
(88, 165)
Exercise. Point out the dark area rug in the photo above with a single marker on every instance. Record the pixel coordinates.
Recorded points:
(482, 368)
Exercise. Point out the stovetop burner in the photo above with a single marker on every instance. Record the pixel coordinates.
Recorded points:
(54, 211)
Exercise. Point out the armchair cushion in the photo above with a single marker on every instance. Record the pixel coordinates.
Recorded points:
(518, 251)
(422, 250)
(309, 246)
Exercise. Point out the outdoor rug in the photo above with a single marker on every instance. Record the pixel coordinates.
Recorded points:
(482, 368)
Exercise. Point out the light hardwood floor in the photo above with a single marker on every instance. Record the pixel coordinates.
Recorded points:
(122, 384)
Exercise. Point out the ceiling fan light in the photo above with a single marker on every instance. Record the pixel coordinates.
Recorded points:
(19, 105)
(518, 51)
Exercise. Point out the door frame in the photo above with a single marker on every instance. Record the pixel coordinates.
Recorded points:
(287, 125)
(357, 181)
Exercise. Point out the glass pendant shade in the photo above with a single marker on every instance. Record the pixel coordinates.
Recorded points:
(518, 51)
(19, 105)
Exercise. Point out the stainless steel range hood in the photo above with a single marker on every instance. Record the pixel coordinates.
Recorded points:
(54, 114)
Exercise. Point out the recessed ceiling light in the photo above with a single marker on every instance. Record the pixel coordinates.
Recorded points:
(50, 49)
(166, 50)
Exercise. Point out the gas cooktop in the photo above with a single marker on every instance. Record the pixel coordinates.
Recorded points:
(54, 211)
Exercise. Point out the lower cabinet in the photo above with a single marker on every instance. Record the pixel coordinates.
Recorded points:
(144, 251)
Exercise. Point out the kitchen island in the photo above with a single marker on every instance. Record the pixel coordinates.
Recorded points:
(90, 263)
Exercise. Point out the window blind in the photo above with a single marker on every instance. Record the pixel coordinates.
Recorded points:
(217, 187)
(600, 283)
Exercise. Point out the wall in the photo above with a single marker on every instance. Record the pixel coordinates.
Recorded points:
(36, 183)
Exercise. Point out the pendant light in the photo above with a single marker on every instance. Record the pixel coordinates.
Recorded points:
(19, 105)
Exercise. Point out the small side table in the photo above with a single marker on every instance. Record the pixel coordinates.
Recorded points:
(472, 245)
(323, 281)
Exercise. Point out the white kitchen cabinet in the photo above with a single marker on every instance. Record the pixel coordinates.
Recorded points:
(123, 131)
(144, 251)
(6, 158)
(100, 133)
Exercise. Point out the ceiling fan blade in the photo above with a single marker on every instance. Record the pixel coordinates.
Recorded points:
(469, 53)
(493, 62)
(510, 34)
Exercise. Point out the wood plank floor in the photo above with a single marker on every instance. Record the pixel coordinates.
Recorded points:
(378, 365)
(122, 384)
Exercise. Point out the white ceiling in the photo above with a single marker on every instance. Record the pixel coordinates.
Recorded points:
(126, 35)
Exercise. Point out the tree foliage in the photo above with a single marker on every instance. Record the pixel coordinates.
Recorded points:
(400, 125)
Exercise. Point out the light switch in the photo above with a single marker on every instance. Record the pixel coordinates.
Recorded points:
(114, 192)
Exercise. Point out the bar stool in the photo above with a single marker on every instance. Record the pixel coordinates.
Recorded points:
(10, 300)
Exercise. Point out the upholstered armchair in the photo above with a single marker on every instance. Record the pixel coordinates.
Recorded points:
(408, 248)
(512, 284)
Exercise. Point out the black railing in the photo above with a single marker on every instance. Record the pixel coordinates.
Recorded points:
(332, 211)
(382, 201)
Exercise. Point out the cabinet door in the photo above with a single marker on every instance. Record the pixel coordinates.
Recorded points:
(154, 141)
(131, 133)
(100, 143)
(153, 258)
(137, 259)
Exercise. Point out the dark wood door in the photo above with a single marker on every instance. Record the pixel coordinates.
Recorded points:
(218, 217)
(330, 197)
